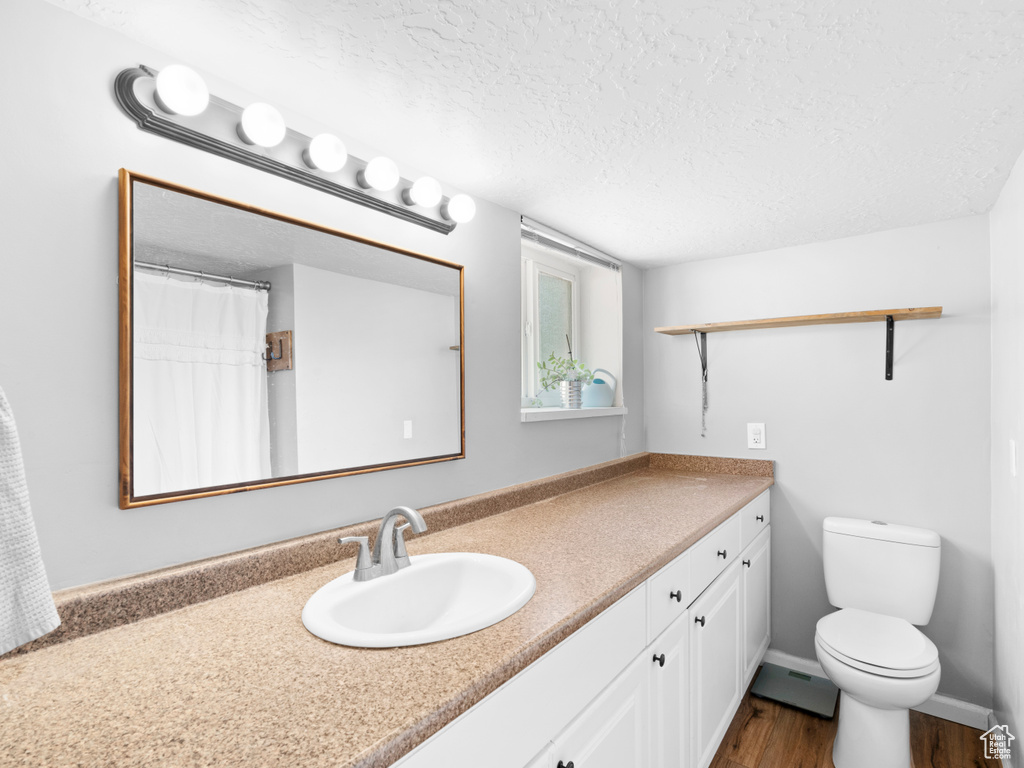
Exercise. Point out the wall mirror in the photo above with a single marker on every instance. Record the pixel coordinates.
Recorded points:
(260, 350)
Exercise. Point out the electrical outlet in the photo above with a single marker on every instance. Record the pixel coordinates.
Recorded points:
(755, 436)
(408, 430)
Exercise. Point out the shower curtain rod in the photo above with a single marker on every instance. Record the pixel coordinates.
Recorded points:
(256, 285)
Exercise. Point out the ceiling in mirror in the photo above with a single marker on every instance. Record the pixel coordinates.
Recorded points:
(374, 372)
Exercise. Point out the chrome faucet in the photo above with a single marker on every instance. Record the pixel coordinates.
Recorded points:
(389, 553)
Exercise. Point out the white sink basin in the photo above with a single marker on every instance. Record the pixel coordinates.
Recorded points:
(435, 598)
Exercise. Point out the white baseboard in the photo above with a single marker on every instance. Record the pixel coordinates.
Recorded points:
(946, 707)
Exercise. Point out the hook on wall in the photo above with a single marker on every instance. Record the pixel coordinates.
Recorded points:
(270, 348)
(280, 350)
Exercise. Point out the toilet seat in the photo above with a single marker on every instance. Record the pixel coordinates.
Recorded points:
(872, 642)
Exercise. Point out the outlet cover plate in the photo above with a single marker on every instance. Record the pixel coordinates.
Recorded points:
(755, 437)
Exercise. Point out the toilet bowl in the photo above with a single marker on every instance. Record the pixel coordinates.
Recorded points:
(874, 722)
(883, 579)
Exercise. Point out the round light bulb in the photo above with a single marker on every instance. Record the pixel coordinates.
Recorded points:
(425, 191)
(381, 173)
(261, 125)
(459, 209)
(181, 91)
(326, 152)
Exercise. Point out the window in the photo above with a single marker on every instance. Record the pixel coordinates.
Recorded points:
(551, 315)
(570, 298)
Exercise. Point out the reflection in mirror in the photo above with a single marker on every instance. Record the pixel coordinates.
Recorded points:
(259, 350)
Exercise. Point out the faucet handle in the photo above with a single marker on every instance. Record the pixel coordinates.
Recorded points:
(400, 550)
(363, 561)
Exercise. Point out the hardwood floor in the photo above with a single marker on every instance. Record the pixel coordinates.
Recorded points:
(766, 734)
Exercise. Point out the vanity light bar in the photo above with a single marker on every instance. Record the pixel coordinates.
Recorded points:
(181, 109)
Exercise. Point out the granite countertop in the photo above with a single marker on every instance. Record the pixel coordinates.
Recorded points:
(238, 681)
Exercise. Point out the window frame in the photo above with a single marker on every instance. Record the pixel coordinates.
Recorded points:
(536, 262)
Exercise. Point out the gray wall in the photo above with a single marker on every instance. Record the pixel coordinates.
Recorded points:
(1007, 232)
(846, 442)
(374, 354)
(284, 441)
(64, 140)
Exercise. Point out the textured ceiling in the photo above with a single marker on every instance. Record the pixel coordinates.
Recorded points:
(656, 130)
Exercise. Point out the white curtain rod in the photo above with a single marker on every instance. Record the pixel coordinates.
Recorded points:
(544, 235)
(256, 285)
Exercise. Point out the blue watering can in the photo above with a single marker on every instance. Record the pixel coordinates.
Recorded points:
(599, 393)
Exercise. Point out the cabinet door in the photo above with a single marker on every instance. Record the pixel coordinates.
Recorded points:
(715, 651)
(613, 731)
(670, 695)
(544, 698)
(756, 565)
(546, 758)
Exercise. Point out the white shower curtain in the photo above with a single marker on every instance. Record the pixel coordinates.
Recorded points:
(199, 385)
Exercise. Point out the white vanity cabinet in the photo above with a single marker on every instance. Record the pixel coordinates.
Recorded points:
(669, 674)
(716, 645)
(755, 591)
(613, 731)
(653, 681)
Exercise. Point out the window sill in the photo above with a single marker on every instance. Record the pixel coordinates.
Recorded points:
(551, 414)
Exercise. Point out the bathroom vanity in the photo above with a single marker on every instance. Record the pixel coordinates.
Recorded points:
(626, 559)
(654, 681)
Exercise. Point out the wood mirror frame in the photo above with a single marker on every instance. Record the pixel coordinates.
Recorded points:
(127, 497)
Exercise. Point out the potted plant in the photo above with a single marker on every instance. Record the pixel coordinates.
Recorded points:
(568, 374)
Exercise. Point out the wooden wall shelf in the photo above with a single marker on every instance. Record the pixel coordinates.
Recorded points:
(875, 315)
(889, 316)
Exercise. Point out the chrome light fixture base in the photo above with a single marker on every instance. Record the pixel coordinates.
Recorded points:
(214, 132)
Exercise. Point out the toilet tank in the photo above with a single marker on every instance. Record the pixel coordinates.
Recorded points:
(888, 569)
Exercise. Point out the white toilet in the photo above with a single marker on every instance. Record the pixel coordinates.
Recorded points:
(883, 578)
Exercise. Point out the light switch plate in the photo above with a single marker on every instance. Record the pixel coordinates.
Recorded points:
(755, 436)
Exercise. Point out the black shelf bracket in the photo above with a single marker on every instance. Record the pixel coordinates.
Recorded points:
(702, 352)
(890, 332)
(700, 338)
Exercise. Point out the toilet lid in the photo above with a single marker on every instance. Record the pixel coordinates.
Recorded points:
(883, 642)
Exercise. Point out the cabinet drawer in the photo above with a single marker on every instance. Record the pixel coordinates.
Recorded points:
(754, 518)
(668, 594)
(710, 555)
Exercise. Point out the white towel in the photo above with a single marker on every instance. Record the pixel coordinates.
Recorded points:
(26, 605)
